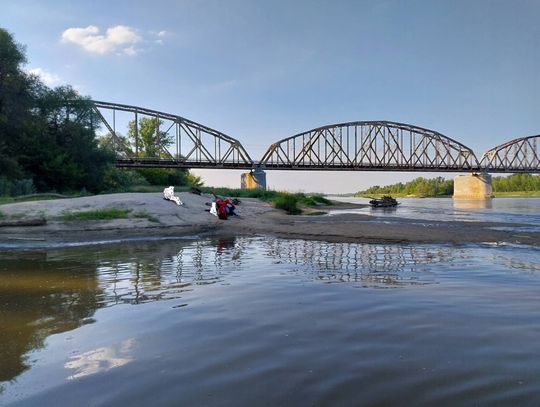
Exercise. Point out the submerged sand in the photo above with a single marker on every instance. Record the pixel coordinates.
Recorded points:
(161, 218)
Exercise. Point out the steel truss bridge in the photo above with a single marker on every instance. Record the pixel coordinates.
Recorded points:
(355, 146)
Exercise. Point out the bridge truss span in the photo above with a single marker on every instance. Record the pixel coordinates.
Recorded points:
(371, 146)
(177, 142)
(518, 155)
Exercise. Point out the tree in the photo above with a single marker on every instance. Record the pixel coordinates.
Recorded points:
(17, 94)
(45, 134)
(147, 140)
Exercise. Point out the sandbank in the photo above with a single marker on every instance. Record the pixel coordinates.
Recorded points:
(160, 218)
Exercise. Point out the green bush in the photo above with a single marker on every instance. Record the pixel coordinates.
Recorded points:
(16, 187)
(120, 179)
(287, 202)
(314, 200)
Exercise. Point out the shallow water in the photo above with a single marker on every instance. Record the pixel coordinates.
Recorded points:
(525, 211)
(267, 321)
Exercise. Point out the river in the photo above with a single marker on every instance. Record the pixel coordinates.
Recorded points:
(270, 321)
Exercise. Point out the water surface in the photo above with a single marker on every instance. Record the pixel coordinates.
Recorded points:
(524, 211)
(266, 321)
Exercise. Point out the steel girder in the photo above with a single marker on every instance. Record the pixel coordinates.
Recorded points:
(371, 145)
(194, 145)
(518, 155)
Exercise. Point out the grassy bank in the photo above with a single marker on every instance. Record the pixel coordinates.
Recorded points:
(292, 203)
(517, 194)
(97, 214)
(107, 214)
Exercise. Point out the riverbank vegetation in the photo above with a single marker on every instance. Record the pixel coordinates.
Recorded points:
(513, 185)
(292, 203)
(421, 187)
(48, 138)
(106, 214)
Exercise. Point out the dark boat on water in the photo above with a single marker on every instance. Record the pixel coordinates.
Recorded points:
(383, 202)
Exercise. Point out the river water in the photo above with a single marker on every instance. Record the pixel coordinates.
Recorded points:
(269, 321)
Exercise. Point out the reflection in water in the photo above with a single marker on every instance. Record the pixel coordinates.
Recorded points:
(101, 359)
(472, 203)
(38, 298)
(168, 269)
(386, 265)
(44, 293)
(141, 350)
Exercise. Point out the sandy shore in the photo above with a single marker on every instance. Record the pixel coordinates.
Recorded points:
(161, 218)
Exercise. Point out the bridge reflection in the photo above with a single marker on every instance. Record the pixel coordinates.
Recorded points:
(375, 264)
(50, 292)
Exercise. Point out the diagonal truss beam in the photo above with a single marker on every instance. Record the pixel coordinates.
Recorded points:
(371, 145)
(205, 147)
(517, 155)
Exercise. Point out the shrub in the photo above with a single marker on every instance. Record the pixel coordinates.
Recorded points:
(314, 200)
(120, 180)
(287, 202)
(17, 187)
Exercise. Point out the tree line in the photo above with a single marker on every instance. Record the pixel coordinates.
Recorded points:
(440, 186)
(48, 138)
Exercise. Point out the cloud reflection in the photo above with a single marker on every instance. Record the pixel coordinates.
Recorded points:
(101, 359)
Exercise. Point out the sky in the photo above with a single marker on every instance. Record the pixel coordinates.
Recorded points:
(261, 71)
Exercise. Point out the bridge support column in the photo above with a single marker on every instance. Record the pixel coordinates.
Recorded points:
(253, 179)
(473, 186)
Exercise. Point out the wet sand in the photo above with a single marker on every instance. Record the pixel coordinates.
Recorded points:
(166, 219)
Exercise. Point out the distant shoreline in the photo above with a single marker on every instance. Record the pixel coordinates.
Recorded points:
(518, 194)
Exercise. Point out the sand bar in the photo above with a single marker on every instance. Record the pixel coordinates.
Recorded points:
(166, 219)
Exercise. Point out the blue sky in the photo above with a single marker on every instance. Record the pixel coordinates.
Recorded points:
(261, 71)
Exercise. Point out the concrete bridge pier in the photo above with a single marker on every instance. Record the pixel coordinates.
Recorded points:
(256, 178)
(473, 186)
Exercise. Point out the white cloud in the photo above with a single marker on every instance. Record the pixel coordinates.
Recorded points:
(48, 78)
(119, 39)
(160, 36)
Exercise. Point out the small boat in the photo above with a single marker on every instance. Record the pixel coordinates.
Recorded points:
(383, 202)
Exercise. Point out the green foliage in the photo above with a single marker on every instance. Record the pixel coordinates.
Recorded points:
(145, 215)
(281, 200)
(287, 202)
(42, 139)
(516, 182)
(518, 194)
(17, 187)
(262, 194)
(121, 180)
(2, 215)
(146, 139)
(193, 180)
(164, 176)
(439, 186)
(418, 187)
(313, 200)
(97, 214)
